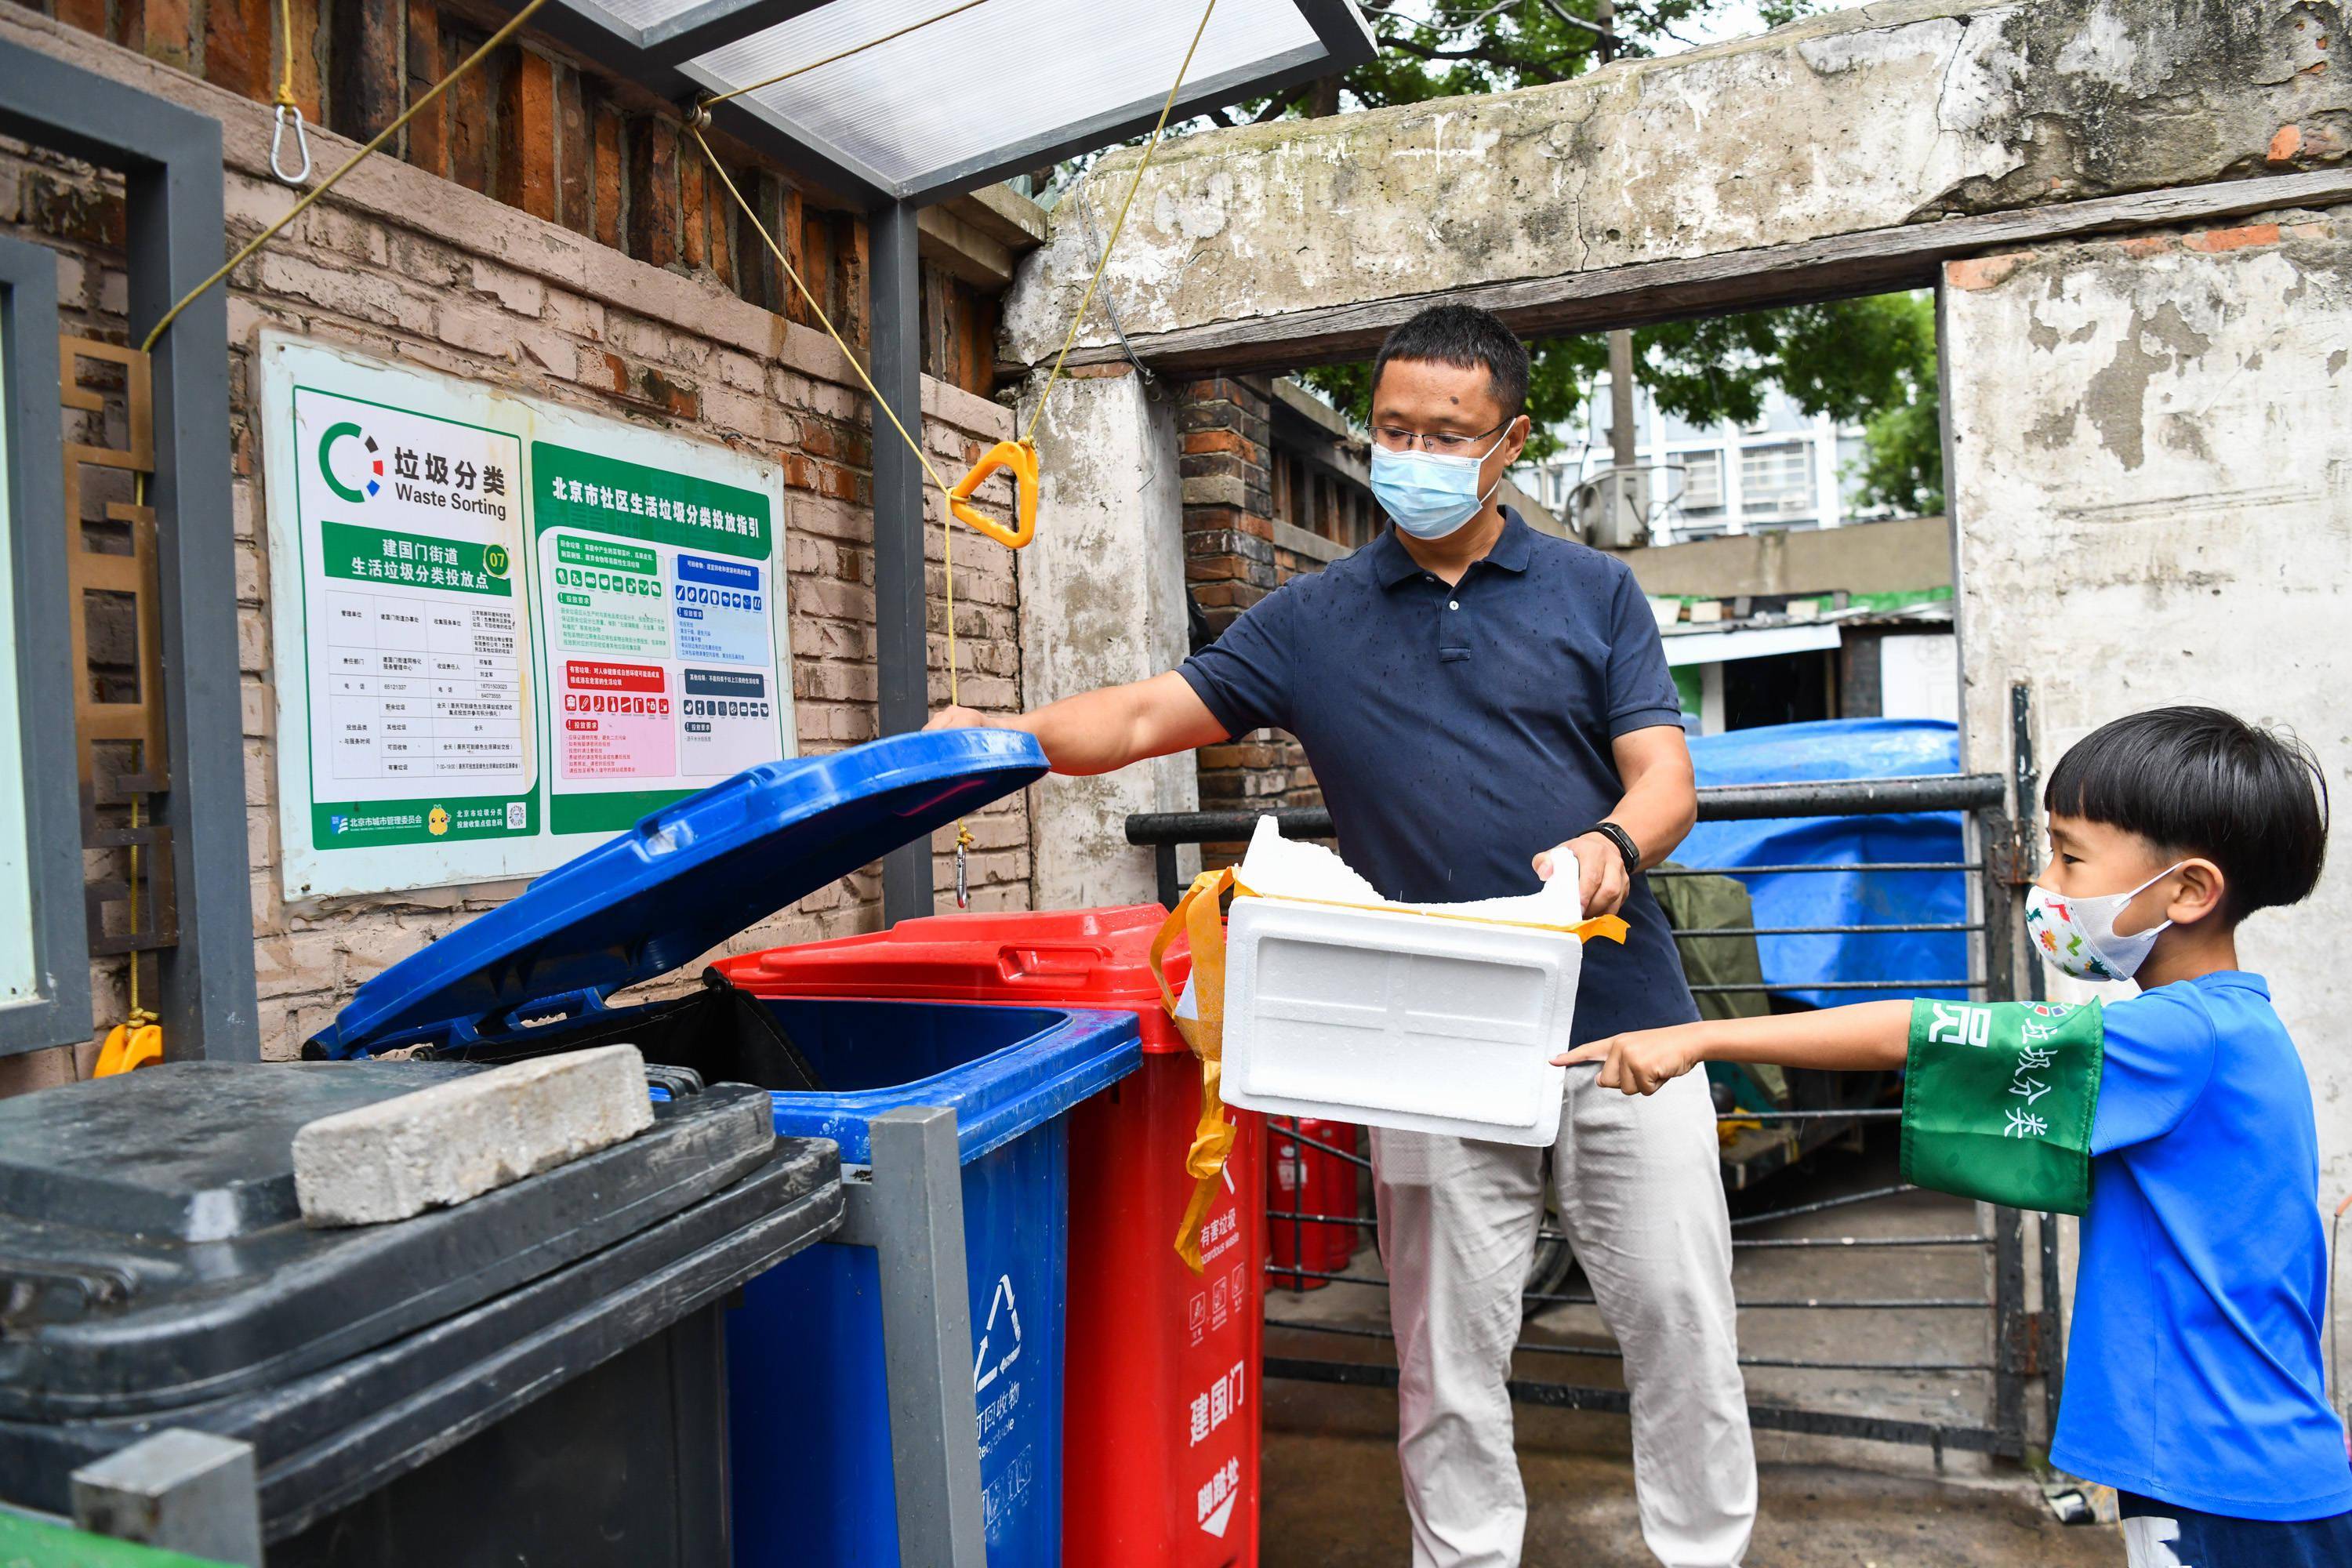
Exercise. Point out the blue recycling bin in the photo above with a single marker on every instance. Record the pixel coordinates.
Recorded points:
(812, 1475)
(807, 1346)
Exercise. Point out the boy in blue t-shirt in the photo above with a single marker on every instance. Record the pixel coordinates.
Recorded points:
(2177, 1122)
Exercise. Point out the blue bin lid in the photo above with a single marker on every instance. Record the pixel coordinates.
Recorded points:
(681, 881)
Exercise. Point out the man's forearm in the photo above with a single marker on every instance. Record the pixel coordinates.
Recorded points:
(1093, 732)
(1657, 811)
(1859, 1038)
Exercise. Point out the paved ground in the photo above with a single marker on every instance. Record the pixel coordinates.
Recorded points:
(1333, 1503)
(1332, 1499)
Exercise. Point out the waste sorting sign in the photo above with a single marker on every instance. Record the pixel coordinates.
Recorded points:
(502, 628)
(657, 617)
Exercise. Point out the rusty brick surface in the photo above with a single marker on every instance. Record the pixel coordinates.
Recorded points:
(653, 227)
(236, 45)
(429, 143)
(368, 62)
(527, 142)
(471, 103)
(575, 174)
(89, 15)
(164, 27)
(723, 216)
(308, 44)
(610, 167)
(693, 210)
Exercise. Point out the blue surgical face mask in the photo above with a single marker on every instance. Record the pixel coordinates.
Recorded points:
(1426, 495)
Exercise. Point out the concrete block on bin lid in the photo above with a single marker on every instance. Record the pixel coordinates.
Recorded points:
(457, 1140)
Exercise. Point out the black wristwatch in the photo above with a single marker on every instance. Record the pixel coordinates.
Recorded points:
(1625, 845)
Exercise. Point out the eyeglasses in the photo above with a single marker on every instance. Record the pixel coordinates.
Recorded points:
(1393, 439)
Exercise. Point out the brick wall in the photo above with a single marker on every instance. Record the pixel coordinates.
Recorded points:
(1230, 561)
(549, 135)
(404, 264)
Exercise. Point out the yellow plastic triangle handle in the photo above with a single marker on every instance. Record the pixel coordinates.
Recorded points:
(128, 1047)
(1022, 459)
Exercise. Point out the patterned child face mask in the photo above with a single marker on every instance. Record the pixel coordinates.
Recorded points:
(2078, 936)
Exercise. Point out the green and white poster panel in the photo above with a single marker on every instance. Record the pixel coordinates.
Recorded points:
(504, 630)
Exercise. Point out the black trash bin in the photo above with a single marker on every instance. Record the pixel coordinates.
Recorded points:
(536, 1377)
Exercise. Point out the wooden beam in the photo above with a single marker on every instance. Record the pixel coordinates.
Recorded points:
(963, 249)
(1873, 261)
(1004, 215)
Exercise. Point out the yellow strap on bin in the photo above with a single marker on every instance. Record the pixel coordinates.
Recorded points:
(1608, 926)
(1197, 914)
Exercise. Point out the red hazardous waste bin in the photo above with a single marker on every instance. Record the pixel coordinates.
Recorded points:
(1161, 1431)
(1303, 1177)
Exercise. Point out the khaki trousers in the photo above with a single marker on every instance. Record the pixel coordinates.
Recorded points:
(1642, 1201)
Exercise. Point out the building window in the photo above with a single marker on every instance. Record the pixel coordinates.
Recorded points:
(1778, 481)
(1700, 481)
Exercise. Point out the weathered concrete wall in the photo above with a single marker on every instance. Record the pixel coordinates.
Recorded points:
(1103, 584)
(1880, 115)
(2152, 485)
(1861, 558)
(407, 265)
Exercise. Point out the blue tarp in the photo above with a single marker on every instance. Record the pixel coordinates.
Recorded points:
(1841, 749)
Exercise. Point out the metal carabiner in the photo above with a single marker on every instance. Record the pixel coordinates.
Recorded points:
(301, 145)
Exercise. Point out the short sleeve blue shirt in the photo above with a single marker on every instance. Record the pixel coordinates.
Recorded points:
(1458, 732)
(2193, 1369)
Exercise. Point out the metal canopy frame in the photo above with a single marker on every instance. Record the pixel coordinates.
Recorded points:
(660, 58)
(170, 159)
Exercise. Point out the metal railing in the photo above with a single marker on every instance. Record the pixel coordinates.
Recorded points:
(2018, 1335)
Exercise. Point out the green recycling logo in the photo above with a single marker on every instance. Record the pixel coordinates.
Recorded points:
(373, 479)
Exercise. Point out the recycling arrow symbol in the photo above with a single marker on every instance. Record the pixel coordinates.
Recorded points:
(1000, 1305)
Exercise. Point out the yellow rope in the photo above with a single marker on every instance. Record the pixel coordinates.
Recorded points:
(323, 186)
(285, 74)
(823, 319)
(841, 54)
(964, 839)
(1078, 319)
(155, 334)
(701, 116)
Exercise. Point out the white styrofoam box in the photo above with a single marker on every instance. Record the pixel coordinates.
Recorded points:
(1395, 1019)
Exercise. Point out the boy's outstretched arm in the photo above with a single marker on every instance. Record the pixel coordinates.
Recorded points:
(1865, 1037)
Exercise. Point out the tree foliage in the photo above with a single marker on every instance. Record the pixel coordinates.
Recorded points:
(1868, 362)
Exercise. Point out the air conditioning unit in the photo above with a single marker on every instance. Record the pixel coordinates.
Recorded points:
(1611, 510)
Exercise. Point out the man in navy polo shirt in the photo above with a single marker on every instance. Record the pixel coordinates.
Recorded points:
(1485, 705)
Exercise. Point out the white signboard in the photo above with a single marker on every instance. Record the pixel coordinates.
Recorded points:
(503, 630)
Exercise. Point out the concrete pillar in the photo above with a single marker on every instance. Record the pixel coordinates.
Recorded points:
(1102, 602)
(2150, 462)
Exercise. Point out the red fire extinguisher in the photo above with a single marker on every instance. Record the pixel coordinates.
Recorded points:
(1305, 1177)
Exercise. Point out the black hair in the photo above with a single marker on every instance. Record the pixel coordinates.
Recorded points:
(1466, 336)
(2206, 783)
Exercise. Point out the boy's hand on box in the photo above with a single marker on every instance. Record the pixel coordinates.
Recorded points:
(1642, 1062)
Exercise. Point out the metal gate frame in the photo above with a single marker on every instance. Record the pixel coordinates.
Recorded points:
(2025, 1341)
(170, 160)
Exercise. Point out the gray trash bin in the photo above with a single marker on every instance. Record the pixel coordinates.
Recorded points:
(535, 1377)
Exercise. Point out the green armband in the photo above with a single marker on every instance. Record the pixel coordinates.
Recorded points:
(1997, 1100)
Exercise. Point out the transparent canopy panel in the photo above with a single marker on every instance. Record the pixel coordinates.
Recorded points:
(642, 14)
(995, 81)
